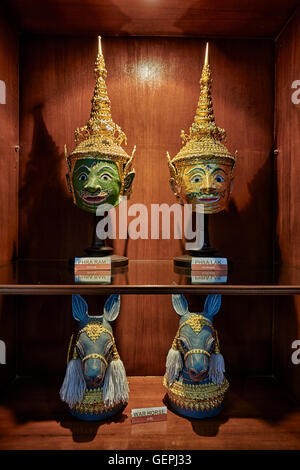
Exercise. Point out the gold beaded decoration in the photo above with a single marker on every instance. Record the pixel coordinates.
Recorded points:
(197, 322)
(94, 330)
(197, 397)
(93, 403)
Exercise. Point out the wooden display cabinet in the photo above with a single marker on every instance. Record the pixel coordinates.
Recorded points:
(154, 55)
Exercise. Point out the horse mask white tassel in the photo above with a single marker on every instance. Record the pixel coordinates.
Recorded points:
(174, 362)
(74, 386)
(115, 387)
(95, 385)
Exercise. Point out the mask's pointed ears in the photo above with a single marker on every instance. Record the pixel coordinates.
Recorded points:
(180, 304)
(79, 308)
(128, 181)
(69, 182)
(112, 307)
(212, 305)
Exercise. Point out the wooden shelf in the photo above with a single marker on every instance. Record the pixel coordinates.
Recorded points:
(258, 414)
(148, 289)
(55, 277)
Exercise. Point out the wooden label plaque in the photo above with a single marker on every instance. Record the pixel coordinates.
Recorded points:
(209, 264)
(102, 263)
(148, 415)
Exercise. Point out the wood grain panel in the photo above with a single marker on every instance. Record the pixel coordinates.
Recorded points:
(159, 18)
(287, 328)
(153, 85)
(9, 137)
(288, 141)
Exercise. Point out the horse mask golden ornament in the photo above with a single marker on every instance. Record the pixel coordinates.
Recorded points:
(202, 171)
(99, 170)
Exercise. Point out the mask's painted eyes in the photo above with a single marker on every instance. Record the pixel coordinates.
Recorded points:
(105, 177)
(219, 179)
(196, 179)
(82, 177)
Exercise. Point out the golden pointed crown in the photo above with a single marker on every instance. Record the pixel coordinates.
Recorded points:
(204, 140)
(101, 137)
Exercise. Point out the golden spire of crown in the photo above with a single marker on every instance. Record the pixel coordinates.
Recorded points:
(204, 140)
(204, 120)
(100, 123)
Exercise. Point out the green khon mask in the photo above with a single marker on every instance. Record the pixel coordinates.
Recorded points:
(95, 182)
(100, 171)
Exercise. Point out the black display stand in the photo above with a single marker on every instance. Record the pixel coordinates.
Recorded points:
(205, 252)
(99, 249)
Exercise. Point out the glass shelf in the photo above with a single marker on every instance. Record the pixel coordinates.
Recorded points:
(46, 277)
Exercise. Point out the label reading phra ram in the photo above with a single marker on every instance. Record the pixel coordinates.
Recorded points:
(93, 264)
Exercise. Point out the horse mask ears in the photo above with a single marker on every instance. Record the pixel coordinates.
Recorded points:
(180, 304)
(112, 307)
(212, 305)
(79, 308)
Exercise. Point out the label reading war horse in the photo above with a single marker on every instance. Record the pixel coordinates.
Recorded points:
(195, 368)
(95, 385)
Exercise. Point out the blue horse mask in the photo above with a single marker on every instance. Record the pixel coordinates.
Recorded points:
(195, 367)
(95, 385)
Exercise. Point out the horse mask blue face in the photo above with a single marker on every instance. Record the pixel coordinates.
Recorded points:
(95, 341)
(195, 353)
(95, 361)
